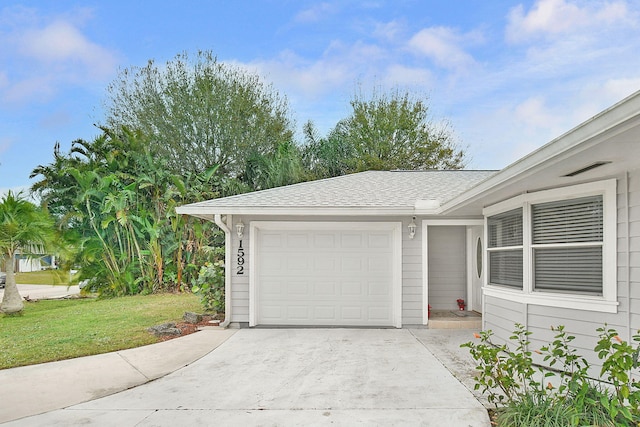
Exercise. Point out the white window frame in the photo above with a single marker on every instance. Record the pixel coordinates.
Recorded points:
(607, 302)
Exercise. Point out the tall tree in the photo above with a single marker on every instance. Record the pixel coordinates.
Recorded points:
(199, 113)
(23, 227)
(383, 132)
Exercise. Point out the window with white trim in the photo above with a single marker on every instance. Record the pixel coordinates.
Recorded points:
(505, 248)
(555, 247)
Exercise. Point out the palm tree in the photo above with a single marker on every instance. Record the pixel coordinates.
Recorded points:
(23, 226)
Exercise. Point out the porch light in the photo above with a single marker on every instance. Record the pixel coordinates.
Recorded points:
(240, 229)
(412, 227)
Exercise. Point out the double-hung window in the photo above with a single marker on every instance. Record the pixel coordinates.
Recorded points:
(505, 248)
(555, 247)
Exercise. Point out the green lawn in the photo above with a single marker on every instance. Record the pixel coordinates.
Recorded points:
(44, 277)
(62, 329)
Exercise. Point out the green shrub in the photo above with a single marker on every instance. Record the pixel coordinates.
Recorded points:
(209, 286)
(533, 410)
(508, 378)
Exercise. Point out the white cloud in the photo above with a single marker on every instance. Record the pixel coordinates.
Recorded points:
(388, 31)
(315, 13)
(41, 55)
(338, 68)
(30, 89)
(534, 114)
(551, 18)
(443, 46)
(61, 42)
(617, 89)
(402, 75)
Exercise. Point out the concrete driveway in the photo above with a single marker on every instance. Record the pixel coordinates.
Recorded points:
(293, 377)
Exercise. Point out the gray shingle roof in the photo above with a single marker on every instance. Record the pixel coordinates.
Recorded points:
(374, 191)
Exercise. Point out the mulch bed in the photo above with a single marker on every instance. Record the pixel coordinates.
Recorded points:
(190, 328)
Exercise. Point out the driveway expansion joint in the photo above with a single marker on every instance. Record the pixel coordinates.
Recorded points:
(123, 357)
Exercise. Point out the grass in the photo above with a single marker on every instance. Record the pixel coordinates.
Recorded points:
(44, 277)
(52, 330)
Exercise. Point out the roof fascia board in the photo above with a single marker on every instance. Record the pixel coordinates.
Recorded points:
(200, 211)
(590, 131)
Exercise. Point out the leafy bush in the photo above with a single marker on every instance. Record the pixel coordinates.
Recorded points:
(516, 385)
(209, 286)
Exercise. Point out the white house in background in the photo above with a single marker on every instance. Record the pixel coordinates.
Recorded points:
(23, 263)
(552, 239)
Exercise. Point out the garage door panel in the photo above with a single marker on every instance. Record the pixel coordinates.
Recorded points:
(378, 288)
(271, 264)
(271, 287)
(327, 288)
(378, 264)
(351, 288)
(325, 313)
(380, 241)
(325, 277)
(380, 313)
(271, 240)
(351, 264)
(298, 287)
(324, 264)
(352, 313)
(271, 312)
(298, 312)
(324, 241)
(297, 240)
(299, 262)
(351, 240)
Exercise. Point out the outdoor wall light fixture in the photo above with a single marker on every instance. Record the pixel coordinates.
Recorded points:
(412, 227)
(240, 229)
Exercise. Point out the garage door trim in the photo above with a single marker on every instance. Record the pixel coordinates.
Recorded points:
(393, 226)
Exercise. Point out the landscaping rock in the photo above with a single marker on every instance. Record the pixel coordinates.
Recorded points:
(165, 329)
(192, 317)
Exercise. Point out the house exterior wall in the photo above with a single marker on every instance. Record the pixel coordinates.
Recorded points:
(412, 283)
(447, 266)
(500, 315)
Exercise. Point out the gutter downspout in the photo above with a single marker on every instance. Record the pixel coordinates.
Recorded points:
(227, 267)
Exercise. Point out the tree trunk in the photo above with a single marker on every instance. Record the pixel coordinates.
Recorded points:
(12, 301)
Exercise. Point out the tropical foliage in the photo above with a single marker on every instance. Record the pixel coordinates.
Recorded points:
(116, 202)
(23, 227)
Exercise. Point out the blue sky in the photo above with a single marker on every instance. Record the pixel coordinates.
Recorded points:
(508, 76)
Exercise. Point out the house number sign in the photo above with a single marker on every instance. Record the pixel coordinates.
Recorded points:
(240, 262)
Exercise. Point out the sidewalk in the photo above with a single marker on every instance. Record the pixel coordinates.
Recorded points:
(36, 389)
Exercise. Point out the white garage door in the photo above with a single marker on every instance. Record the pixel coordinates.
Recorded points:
(345, 274)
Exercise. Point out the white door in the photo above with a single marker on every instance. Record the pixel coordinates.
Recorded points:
(326, 274)
(477, 267)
